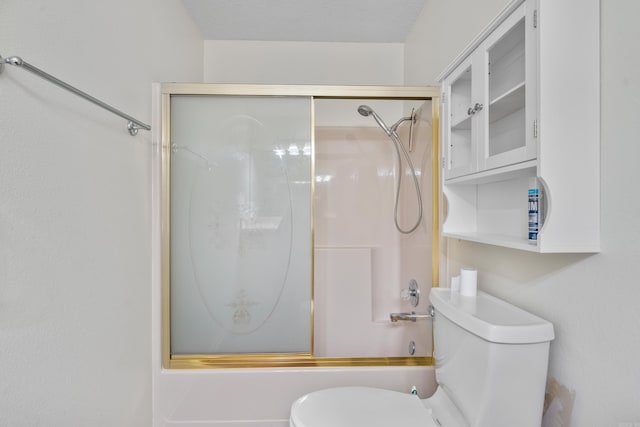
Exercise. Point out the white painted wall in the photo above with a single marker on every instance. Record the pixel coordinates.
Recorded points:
(303, 63)
(75, 207)
(591, 299)
(441, 31)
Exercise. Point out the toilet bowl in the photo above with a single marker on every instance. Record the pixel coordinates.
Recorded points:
(491, 367)
(360, 406)
(373, 407)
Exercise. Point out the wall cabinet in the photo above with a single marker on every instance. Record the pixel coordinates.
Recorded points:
(522, 101)
(491, 118)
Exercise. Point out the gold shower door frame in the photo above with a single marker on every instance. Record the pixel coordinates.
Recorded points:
(208, 361)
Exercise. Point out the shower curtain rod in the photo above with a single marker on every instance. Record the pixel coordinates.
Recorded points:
(133, 124)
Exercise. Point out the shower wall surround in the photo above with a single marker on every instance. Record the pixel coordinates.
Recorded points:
(362, 263)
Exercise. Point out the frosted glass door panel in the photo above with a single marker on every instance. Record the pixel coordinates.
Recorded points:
(240, 224)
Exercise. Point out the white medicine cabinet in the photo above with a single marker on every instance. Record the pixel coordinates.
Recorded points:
(522, 101)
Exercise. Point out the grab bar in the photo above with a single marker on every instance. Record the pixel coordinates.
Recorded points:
(413, 316)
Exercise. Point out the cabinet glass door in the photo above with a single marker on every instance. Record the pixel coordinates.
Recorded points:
(509, 139)
(459, 149)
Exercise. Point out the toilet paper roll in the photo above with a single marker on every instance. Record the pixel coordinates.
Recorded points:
(455, 284)
(468, 282)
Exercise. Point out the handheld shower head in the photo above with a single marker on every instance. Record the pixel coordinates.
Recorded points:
(366, 111)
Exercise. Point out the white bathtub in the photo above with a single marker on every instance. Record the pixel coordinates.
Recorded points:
(263, 397)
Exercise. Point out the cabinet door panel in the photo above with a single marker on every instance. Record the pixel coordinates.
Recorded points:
(458, 136)
(509, 137)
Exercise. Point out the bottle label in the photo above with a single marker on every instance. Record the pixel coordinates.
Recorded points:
(534, 214)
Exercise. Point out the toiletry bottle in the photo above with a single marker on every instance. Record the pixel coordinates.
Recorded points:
(534, 210)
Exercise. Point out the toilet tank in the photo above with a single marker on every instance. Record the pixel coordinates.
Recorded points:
(491, 358)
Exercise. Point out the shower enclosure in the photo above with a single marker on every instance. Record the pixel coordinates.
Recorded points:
(291, 222)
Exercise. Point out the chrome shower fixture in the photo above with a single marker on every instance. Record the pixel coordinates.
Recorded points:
(412, 117)
(367, 111)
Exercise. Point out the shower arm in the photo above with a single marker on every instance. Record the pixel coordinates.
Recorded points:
(413, 119)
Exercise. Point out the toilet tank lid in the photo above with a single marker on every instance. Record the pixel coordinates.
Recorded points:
(491, 318)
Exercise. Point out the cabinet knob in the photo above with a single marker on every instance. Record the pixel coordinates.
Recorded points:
(472, 110)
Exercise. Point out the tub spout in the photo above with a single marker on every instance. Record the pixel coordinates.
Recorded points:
(413, 316)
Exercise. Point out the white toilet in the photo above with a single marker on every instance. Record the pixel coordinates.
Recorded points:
(491, 370)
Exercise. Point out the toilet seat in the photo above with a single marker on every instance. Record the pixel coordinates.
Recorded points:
(360, 406)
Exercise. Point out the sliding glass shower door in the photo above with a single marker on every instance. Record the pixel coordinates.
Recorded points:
(276, 230)
(240, 221)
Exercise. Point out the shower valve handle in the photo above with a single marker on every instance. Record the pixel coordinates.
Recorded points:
(412, 294)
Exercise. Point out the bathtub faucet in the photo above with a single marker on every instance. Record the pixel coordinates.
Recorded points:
(413, 316)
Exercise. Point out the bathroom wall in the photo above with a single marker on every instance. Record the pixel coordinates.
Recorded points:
(591, 299)
(75, 204)
(303, 63)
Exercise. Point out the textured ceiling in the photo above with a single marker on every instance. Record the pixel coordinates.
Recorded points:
(375, 21)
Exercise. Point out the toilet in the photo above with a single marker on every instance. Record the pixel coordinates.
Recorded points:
(491, 370)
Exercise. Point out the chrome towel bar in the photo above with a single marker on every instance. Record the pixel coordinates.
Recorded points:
(133, 126)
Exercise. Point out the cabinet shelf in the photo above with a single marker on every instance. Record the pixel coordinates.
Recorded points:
(507, 103)
(514, 171)
(517, 243)
(462, 123)
(494, 239)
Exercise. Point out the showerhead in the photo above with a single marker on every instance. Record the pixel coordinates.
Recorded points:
(366, 111)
